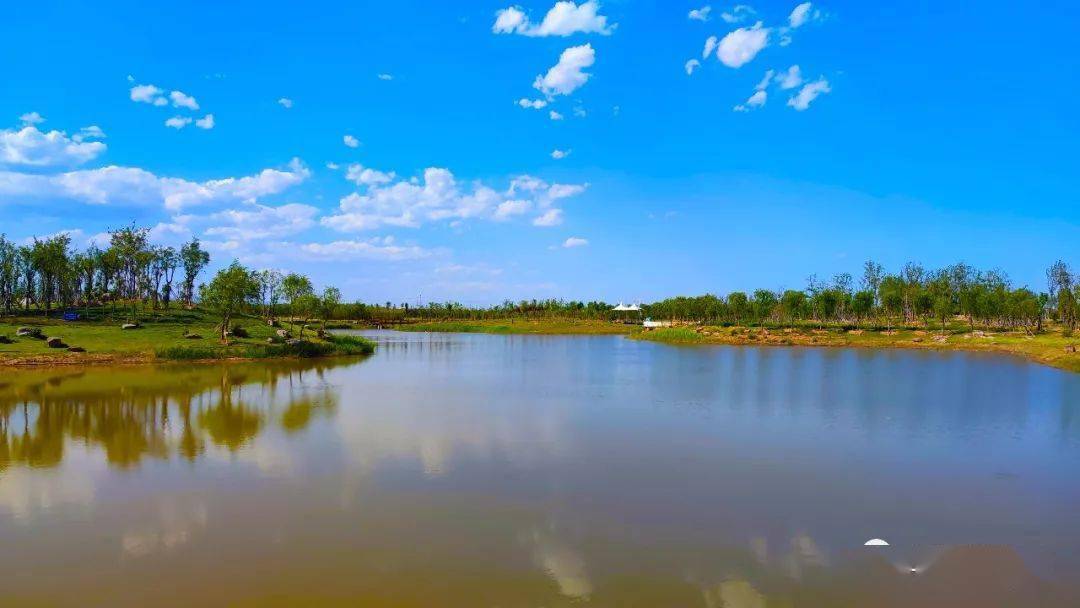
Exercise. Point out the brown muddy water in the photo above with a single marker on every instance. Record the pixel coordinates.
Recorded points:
(528, 471)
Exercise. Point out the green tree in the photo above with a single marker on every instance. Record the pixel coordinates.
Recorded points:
(331, 298)
(295, 286)
(194, 259)
(228, 292)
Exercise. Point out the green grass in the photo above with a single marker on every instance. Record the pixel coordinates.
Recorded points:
(679, 335)
(162, 336)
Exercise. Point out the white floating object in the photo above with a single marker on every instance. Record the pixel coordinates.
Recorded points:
(875, 542)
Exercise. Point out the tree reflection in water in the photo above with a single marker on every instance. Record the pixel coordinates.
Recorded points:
(136, 413)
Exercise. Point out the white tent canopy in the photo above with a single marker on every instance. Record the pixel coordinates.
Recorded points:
(631, 307)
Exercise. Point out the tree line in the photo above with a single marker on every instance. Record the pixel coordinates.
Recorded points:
(914, 296)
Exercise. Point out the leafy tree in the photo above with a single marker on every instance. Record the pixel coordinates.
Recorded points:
(331, 298)
(194, 259)
(228, 292)
(294, 287)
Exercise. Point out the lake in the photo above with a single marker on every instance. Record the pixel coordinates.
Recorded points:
(522, 471)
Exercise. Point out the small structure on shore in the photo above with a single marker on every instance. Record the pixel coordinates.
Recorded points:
(627, 313)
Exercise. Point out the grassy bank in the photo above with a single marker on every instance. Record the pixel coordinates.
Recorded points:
(1050, 347)
(180, 335)
(522, 326)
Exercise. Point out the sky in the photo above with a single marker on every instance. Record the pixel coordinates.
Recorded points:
(481, 151)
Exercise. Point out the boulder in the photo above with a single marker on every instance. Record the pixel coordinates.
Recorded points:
(55, 342)
(273, 323)
(5, 340)
(76, 349)
(283, 334)
(32, 332)
(1071, 348)
(192, 337)
(130, 326)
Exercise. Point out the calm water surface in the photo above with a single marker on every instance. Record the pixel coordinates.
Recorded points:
(473, 470)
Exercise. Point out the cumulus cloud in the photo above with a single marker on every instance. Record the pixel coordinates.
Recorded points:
(30, 148)
(803, 14)
(114, 185)
(183, 100)
(790, 78)
(551, 217)
(738, 14)
(761, 86)
(364, 176)
(810, 91)
(755, 101)
(148, 93)
(575, 241)
(438, 196)
(385, 76)
(91, 132)
(206, 122)
(691, 65)
(384, 248)
(178, 122)
(740, 46)
(710, 46)
(350, 141)
(31, 118)
(285, 102)
(564, 19)
(553, 115)
(700, 14)
(255, 221)
(510, 208)
(535, 104)
(568, 74)
(559, 154)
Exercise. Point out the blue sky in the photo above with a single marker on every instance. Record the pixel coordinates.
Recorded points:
(938, 133)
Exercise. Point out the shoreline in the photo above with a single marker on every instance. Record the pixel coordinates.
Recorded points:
(1048, 349)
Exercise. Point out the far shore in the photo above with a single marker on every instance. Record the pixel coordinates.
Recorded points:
(1049, 347)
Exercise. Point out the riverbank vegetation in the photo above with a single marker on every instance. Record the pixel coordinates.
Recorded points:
(134, 301)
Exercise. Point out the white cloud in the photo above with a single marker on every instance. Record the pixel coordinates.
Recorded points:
(438, 196)
(790, 79)
(509, 21)
(756, 100)
(29, 147)
(206, 122)
(148, 93)
(31, 118)
(371, 249)
(511, 208)
(691, 65)
(133, 186)
(761, 86)
(710, 46)
(91, 132)
(332, 165)
(350, 141)
(255, 221)
(575, 241)
(285, 102)
(553, 115)
(182, 100)
(551, 217)
(178, 122)
(580, 112)
(738, 14)
(809, 93)
(700, 14)
(559, 154)
(568, 74)
(364, 176)
(740, 46)
(564, 19)
(385, 76)
(802, 15)
(535, 104)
